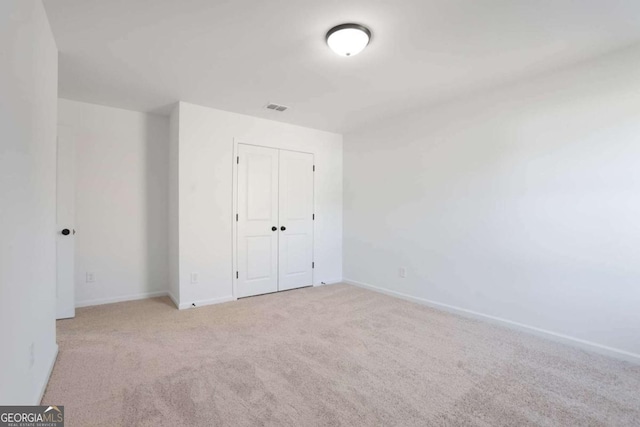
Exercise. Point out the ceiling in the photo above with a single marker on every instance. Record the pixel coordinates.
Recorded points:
(238, 55)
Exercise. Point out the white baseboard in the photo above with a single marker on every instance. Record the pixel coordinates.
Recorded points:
(146, 295)
(134, 297)
(43, 387)
(174, 299)
(329, 282)
(200, 303)
(566, 339)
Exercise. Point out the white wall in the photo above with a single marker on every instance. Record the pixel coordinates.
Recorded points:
(28, 84)
(205, 196)
(122, 176)
(174, 226)
(521, 203)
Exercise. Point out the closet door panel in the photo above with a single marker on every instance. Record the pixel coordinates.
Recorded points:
(257, 216)
(296, 220)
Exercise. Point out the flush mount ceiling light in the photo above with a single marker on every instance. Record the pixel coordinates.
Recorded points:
(348, 39)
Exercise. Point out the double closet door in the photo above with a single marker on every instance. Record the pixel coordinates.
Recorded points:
(274, 219)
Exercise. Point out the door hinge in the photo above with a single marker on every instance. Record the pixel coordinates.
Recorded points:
(238, 160)
(313, 217)
(313, 265)
(236, 274)
(236, 217)
(314, 168)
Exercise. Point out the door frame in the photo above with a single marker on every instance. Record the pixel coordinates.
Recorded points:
(234, 204)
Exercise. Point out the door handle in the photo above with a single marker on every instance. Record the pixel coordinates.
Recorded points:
(274, 228)
(283, 228)
(66, 232)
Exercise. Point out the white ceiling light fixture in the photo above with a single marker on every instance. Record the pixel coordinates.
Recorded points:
(348, 39)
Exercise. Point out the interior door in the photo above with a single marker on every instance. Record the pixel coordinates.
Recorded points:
(65, 219)
(257, 220)
(296, 220)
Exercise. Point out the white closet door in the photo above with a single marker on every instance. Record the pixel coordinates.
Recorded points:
(65, 218)
(257, 220)
(296, 220)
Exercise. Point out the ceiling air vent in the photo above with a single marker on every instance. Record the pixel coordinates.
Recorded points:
(276, 107)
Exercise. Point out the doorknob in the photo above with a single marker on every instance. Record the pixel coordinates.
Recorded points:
(283, 228)
(274, 228)
(66, 232)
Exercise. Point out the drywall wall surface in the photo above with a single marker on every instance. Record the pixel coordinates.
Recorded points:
(122, 208)
(520, 203)
(206, 150)
(174, 235)
(28, 104)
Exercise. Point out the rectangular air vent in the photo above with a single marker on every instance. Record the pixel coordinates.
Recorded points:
(276, 107)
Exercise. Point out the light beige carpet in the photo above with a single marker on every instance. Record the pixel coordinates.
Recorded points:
(334, 355)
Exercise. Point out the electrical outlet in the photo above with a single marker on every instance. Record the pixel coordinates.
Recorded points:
(91, 277)
(402, 272)
(195, 278)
